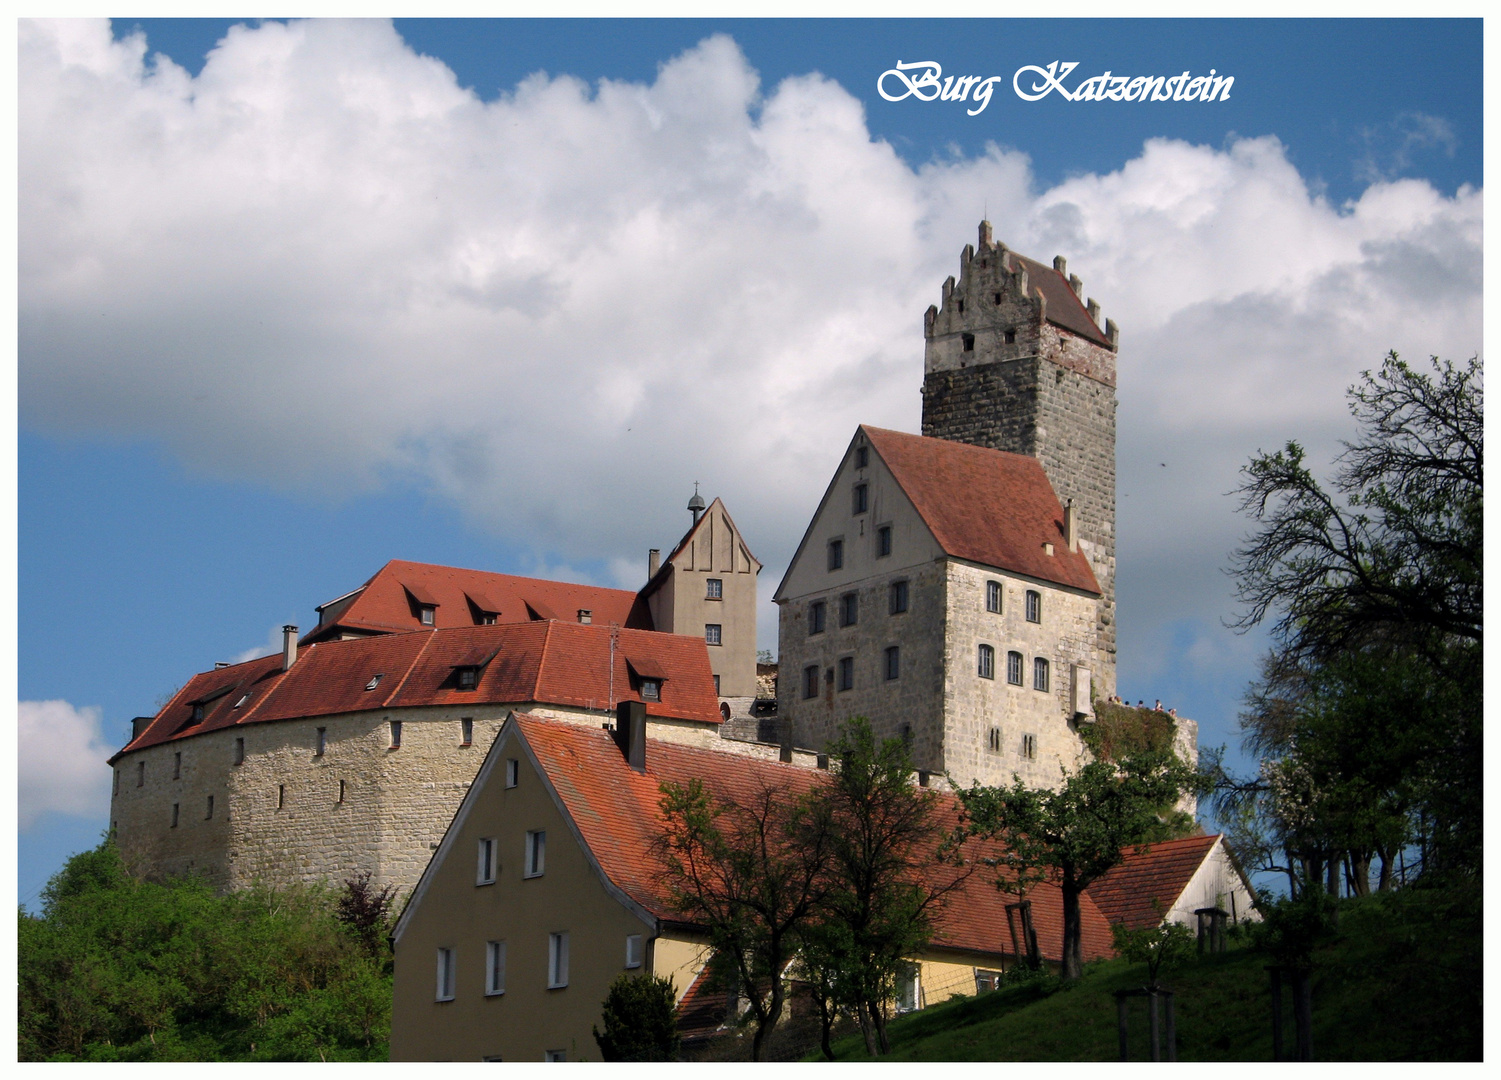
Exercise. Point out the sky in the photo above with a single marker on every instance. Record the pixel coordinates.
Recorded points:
(299, 298)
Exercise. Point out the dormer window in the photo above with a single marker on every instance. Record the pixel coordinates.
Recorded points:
(468, 678)
(426, 614)
(651, 690)
(197, 711)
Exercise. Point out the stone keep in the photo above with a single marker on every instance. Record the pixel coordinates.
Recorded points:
(1016, 360)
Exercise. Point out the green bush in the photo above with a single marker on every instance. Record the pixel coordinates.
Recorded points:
(641, 1020)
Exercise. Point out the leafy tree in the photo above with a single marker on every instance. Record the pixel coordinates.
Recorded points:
(752, 869)
(1076, 832)
(1164, 944)
(641, 1020)
(1368, 714)
(884, 841)
(365, 912)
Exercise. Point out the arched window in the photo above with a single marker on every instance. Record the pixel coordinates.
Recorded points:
(987, 662)
(1014, 668)
(1039, 674)
(1034, 606)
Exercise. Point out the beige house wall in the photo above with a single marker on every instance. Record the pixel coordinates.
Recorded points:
(278, 818)
(454, 912)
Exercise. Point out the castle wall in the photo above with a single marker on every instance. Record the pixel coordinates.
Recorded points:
(1064, 638)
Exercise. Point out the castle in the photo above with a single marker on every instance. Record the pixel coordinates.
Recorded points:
(956, 587)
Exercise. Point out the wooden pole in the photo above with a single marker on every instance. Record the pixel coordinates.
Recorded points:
(1152, 1021)
(1120, 1019)
(1276, 1013)
(1172, 1027)
(1303, 1013)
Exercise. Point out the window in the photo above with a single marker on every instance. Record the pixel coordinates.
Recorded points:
(536, 853)
(1010, 335)
(969, 341)
(883, 541)
(993, 596)
(1034, 606)
(209, 813)
(341, 792)
(1029, 747)
(714, 589)
(987, 662)
(986, 980)
(555, 1055)
(322, 742)
(445, 975)
(633, 951)
(862, 498)
(177, 765)
(810, 681)
(849, 609)
(557, 961)
(712, 633)
(513, 772)
(239, 751)
(374, 682)
(466, 731)
(242, 701)
(395, 734)
(174, 815)
(815, 617)
(281, 795)
(651, 689)
(197, 712)
(862, 456)
(897, 597)
(116, 789)
(1014, 668)
(487, 619)
(993, 741)
(908, 989)
(716, 687)
(427, 613)
(836, 554)
(140, 774)
(495, 968)
(846, 673)
(1039, 674)
(893, 662)
(468, 678)
(484, 873)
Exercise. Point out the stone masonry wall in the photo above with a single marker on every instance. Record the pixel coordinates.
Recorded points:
(1064, 638)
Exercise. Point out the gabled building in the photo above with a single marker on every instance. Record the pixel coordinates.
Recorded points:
(940, 591)
(1171, 880)
(545, 888)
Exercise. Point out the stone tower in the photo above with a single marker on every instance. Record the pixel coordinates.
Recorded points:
(1016, 360)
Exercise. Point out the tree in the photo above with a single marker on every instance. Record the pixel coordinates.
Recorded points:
(1077, 832)
(752, 870)
(641, 1020)
(365, 912)
(1368, 714)
(1163, 944)
(877, 913)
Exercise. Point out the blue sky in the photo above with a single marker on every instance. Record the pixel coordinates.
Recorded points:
(317, 303)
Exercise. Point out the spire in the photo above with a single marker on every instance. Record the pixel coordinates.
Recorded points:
(696, 504)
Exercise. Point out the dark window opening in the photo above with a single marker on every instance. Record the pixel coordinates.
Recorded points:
(1010, 337)
(846, 673)
(898, 597)
(210, 812)
(1029, 747)
(651, 690)
(1034, 606)
(993, 741)
(987, 662)
(466, 731)
(849, 609)
(862, 456)
(883, 541)
(836, 554)
(468, 678)
(993, 596)
(177, 766)
(862, 498)
(395, 734)
(1039, 674)
(1014, 668)
(810, 682)
(969, 343)
(174, 815)
(893, 662)
(815, 617)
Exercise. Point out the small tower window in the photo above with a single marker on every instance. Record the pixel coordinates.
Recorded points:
(1034, 606)
(281, 796)
(993, 740)
(322, 743)
(239, 751)
(969, 343)
(862, 498)
(175, 808)
(513, 772)
(395, 734)
(466, 731)
(1039, 674)
(862, 456)
(341, 792)
(987, 662)
(209, 813)
(177, 765)
(485, 874)
(140, 774)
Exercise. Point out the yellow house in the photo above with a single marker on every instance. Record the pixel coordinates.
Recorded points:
(545, 888)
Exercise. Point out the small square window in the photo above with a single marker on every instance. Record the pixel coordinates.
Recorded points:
(427, 614)
(557, 961)
(445, 975)
(712, 633)
(897, 597)
(993, 596)
(987, 662)
(816, 611)
(893, 662)
(969, 339)
(466, 731)
(1029, 747)
(862, 498)
(1034, 606)
(513, 772)
(1014, 668)
(197, 712)
(714, 589)
(1039, 674)
(395, 734)
(883, 541)
(651, 690)
(468, 678)
(634, 953)
(846, 673)
(862, 456)
(485, 871)
(810, 681)
(1010, 335)
(849, 609)
(536, 853)
(495, 968)
(836, 554)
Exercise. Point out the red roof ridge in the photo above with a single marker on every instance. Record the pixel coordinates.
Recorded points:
(411, 667)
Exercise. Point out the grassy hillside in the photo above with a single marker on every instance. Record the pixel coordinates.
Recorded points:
(1400, 981)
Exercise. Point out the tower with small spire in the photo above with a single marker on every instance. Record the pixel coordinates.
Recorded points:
(1017, 359)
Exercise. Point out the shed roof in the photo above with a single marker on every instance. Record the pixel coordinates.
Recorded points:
(1150, 873)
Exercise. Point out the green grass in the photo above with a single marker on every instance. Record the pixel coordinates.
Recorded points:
(1401, 981)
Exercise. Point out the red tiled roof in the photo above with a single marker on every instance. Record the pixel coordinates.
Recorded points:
(384, 604)
(553, 663)
(984, 505)
(703, 1008)
(1157, 872)
(616, 811)
(1065, 309)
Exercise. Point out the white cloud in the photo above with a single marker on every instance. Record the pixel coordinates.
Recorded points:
(62, 762)
(271, 645)
(321, 263)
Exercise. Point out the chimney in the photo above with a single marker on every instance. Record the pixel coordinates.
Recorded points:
(1071, 526)
(630, 733)
(653, 562)
(586, 616)
(288, 646)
